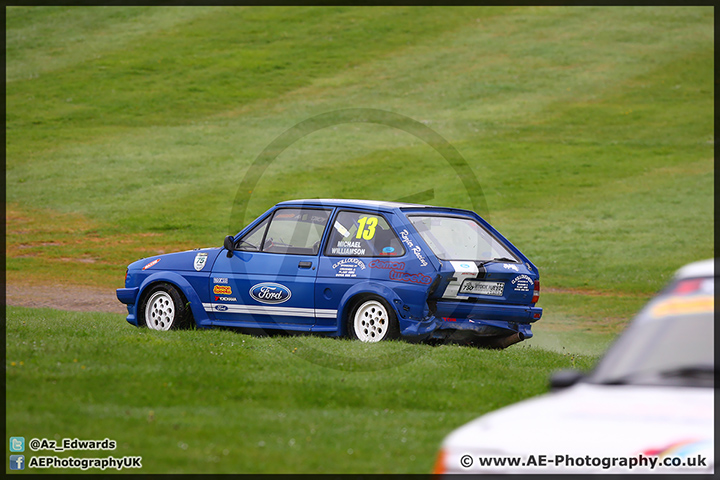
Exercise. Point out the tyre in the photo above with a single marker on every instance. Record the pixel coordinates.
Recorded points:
(164, 308)
(372, 320)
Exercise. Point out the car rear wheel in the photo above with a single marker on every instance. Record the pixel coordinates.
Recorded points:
(372, 320)
(164, 309)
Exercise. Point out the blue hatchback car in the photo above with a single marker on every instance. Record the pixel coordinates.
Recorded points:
(370, 270)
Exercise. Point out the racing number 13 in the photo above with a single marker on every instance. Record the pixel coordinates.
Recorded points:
(369, 232)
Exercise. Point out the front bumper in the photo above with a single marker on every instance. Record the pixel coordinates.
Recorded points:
(127, 295)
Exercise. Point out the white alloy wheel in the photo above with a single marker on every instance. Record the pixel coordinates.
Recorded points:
(160, 311)
(371, 322)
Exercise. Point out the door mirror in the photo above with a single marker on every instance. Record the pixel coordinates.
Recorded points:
(229, 245)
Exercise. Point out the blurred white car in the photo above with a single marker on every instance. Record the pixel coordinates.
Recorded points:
(648, 406)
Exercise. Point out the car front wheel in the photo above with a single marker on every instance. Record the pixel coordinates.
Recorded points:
(372, 320)
(164, 309)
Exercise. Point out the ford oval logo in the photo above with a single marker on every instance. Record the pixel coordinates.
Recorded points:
(270, 293)
(221, 308)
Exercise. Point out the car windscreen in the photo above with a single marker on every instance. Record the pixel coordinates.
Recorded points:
(459, 238)
(672, 350)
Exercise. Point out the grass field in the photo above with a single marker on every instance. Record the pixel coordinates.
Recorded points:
(129, 131)
(220, 401)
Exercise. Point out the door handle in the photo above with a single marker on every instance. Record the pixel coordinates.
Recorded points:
(305, 264)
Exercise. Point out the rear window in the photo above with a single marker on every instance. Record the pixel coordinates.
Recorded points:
(459, 238)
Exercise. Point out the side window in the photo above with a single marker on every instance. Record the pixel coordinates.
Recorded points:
(251, 241)
(295, 231)
(363, 234)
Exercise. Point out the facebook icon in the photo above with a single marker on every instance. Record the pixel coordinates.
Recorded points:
(17, 462)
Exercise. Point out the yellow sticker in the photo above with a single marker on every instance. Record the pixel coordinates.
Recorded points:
(366, 227)
(679, 305)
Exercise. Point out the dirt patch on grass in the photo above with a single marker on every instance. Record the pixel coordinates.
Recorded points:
(65, 297)
(99, 299)
(593, 293)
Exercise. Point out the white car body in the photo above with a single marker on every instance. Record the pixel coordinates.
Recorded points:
(605, 428)
(598, 421)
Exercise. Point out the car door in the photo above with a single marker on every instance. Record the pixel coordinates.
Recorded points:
(360, 244)
(270, 278)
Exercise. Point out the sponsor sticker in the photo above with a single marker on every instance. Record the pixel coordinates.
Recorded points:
(464, 270)
(410, 277)
(418, 253)
(396, 272)
(347, 267)
(270, 293)
(221, 308)
(225, 299)
(200, 260)
(220, 280)
(288, 215)
(222, 290)
(340, 228)
(388, 250)
(154, 262)
(510, 266)
(522, 283)
(387, 265)
(405, 238)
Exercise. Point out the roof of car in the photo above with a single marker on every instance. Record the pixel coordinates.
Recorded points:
(338, 202)
(703, 268)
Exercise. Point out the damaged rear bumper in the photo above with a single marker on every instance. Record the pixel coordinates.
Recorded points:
(470, 320)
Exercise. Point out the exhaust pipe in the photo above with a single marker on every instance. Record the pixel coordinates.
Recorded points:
(509, 340)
